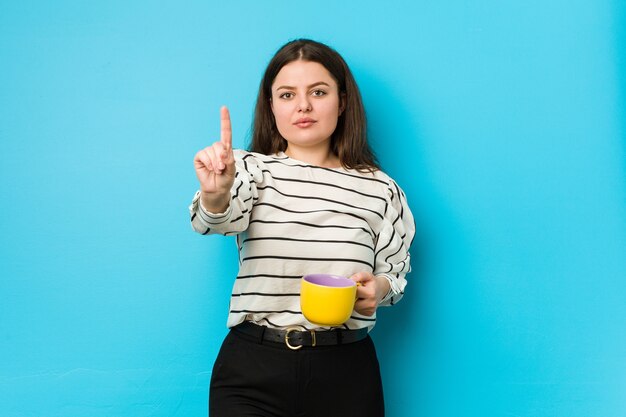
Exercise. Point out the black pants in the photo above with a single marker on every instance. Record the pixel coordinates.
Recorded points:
(251, 378)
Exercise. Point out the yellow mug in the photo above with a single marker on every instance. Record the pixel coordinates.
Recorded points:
(327, 300)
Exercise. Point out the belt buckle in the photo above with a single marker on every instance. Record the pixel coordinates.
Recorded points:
(297, 329)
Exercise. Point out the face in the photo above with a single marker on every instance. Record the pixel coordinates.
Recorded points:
(306, 104)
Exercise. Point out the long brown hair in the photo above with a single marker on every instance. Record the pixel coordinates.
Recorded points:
(349, 140)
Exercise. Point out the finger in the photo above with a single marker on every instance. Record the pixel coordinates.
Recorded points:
(221, 154)
(226, 136)
(364, 293)
(202, 160)
(361, 278)
(212, 158)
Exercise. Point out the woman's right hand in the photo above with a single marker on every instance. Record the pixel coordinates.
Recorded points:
(215, 168)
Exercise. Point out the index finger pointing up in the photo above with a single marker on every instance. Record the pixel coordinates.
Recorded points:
(226, 132)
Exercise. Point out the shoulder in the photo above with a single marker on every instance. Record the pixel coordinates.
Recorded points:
(254, 157)
(380, 180)
(259, 165)
(250, 164)
(242, 154)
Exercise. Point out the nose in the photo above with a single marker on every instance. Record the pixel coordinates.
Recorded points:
(304, 105)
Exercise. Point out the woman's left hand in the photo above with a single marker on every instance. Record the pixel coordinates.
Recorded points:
(370, 291)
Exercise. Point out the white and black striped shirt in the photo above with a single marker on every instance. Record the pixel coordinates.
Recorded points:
(292, 218)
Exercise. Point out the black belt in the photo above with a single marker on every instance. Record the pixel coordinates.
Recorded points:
(294, 338)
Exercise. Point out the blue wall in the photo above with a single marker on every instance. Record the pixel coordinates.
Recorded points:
(505, 122)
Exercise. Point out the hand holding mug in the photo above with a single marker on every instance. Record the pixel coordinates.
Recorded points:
(370, 291)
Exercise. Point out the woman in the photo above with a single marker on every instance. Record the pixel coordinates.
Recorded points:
(308, 197)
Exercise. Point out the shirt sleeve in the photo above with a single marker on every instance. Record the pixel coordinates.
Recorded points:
(243, 195)
(392, 257)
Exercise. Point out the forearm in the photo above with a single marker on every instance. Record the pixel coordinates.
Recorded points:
(206, 222)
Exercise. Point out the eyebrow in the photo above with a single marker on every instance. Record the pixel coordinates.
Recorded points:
(288, 87)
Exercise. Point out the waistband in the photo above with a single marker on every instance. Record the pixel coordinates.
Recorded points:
(295, 338)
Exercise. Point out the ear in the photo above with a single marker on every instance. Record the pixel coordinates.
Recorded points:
(342, 103)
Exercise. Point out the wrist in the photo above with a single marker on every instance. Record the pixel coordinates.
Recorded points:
(214, 203)
(382, 287)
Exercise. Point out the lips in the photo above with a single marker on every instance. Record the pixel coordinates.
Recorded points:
(304, 122)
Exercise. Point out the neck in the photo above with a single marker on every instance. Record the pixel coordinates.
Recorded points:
(321, 157)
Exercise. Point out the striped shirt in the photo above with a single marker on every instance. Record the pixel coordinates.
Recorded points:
(292, 219)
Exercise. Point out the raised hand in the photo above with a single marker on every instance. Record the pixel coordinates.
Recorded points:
(215, 168)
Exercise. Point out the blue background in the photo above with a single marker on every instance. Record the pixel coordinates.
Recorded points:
(505, 123)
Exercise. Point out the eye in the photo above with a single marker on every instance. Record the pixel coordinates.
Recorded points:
(318, 93)
(286, 95)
